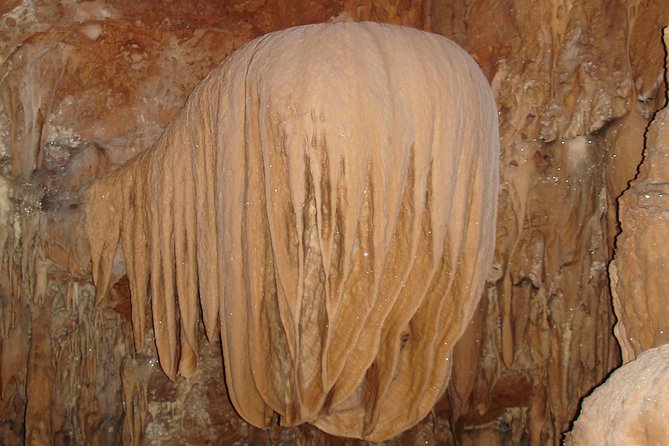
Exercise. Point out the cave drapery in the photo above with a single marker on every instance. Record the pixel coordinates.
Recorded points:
(87, 85)
(336, 215)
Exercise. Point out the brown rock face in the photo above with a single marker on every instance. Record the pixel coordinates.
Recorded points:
(631, 407)
(640, 270)
(85, 86)
(572, 119)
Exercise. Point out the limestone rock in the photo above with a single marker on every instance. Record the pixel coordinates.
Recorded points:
(640, 269)
(335, 214)
(560, 85)
(86, 85)
(630, 408)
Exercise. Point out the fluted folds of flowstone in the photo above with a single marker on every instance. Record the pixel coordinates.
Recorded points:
(328, 196)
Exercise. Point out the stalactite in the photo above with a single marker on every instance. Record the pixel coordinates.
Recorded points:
(135, 374)
(54, 343)
(39, 385)
(85, 85)
(26, 367)
(28, 97)
(331, 190)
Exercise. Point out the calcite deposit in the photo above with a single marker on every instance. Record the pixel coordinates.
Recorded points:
(87, 85)
(631, 408)
(336, 215)
(640, 268)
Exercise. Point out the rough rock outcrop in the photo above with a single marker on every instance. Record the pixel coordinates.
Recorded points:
(575, 93)
(640, 269)
(630, 408)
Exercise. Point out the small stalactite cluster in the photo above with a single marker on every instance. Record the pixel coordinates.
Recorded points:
(332, 210)
(53, 341)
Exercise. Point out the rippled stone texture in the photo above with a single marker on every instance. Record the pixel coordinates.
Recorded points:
(87, 85)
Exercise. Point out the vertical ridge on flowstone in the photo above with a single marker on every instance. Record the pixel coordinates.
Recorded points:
(632, 405)
(641, 305)
(329, 192)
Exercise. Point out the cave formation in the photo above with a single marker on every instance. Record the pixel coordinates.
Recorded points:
(576, 288)
(335, 213)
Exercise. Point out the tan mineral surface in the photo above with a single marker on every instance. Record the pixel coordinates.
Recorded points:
(87, 85)
(348, 276)
(640, 269)
(631, 408)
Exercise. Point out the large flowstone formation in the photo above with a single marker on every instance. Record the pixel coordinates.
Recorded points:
(86, 86)
(334, 214)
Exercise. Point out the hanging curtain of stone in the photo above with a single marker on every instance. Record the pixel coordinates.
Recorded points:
(327, 198)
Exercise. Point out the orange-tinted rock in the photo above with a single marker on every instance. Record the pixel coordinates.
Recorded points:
(640, 269)
(355, 301)
(110, 74)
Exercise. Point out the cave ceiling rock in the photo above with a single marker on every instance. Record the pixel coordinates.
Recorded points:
(328, 196)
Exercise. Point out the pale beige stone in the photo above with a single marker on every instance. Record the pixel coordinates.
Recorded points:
(630, 408)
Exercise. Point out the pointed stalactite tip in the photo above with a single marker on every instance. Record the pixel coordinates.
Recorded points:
(665, 40)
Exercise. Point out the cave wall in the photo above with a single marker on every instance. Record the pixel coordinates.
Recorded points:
(631, 406)
(86, 85)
